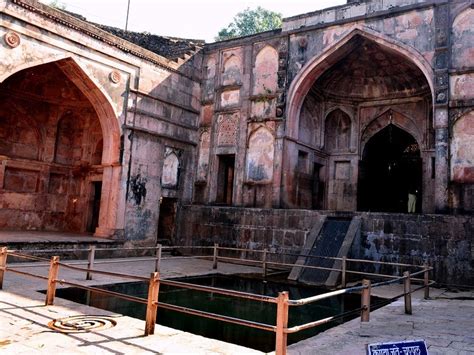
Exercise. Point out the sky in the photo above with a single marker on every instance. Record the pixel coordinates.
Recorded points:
(196, 19)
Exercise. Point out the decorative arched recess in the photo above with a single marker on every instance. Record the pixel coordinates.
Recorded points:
(463, 34)
(307, 76)
(111, 132)
(265, 71)
(170, 175)
(203, 161)
(231, 73)
(260, 154)
(389, 117)
(462, 149)
(337, 131)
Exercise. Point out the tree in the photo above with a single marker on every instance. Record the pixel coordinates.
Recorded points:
(57, 5)
(249, 22)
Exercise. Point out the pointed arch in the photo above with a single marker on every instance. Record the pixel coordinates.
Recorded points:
(383, 120)
(102, 104)
(306, 77)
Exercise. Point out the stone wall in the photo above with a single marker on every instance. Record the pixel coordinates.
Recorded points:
(445, 242)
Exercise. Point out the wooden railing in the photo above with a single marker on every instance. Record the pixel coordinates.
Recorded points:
(282, 301)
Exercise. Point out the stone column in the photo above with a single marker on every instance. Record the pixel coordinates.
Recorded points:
(441, 107)
(441, 159)
(109, 202)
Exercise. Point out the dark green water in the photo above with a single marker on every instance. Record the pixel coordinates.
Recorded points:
(246, 309)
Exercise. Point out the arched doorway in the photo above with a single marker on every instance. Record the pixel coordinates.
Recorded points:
(59, 150)
(390, 169)
(341, 99)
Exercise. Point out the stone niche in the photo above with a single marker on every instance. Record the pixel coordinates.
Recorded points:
(231, 67)
(260, 155)
(171, 166)
(462, 150)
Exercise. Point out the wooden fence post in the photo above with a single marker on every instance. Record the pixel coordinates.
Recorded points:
(90, 261)
(407, 292)
(52, 277)
(343, 272)
(427, 281)
(3, 264)
(214, 259)
(152, 304)
(264, 262)
(365, 301)
(158, 258)
(281, 323)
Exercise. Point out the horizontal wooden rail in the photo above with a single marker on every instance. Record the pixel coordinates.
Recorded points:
(103, 291)
(215, 316)
(108, 273)
(308, 300)
(221, 291)
(25, 273)
(29, 257)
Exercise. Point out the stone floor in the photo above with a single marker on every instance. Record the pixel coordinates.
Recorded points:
(446, 323)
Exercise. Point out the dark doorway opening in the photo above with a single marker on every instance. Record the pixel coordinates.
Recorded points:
(166, 221)
(96, 192)
(225, 179)
(318, 187)
(390, 169)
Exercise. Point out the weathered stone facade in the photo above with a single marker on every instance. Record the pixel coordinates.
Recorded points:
(345, 109)
(443, 241)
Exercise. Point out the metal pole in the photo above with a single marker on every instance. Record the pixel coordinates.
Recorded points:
(128, 12)
(52, 276)
(264, 262)
(407, 292)
(3, 264)
(281, 323)
(158, 258)
(427, 281)
(90, 262)
(343, 272)
(214, 260)
(152, 305)
(365, 301)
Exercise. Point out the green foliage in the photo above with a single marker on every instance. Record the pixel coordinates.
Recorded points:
(249, 22)
(57, 5)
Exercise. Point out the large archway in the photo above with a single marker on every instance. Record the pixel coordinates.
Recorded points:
(340, 100)
(59, 149)
(390, 169)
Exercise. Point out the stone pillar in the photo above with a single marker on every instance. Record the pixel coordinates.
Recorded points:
(441, 107)
(441, 160)
(109, 202)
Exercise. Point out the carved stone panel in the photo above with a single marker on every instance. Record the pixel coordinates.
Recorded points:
(227, 129)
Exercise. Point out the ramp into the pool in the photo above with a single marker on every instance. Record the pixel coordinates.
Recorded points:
(331, 237)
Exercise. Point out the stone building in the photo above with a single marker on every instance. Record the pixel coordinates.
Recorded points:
(346, 109)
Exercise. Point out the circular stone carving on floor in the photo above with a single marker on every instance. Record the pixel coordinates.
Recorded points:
(77, 324)
(12, 39)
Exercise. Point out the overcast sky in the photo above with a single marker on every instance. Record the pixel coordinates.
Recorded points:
(199, 19)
